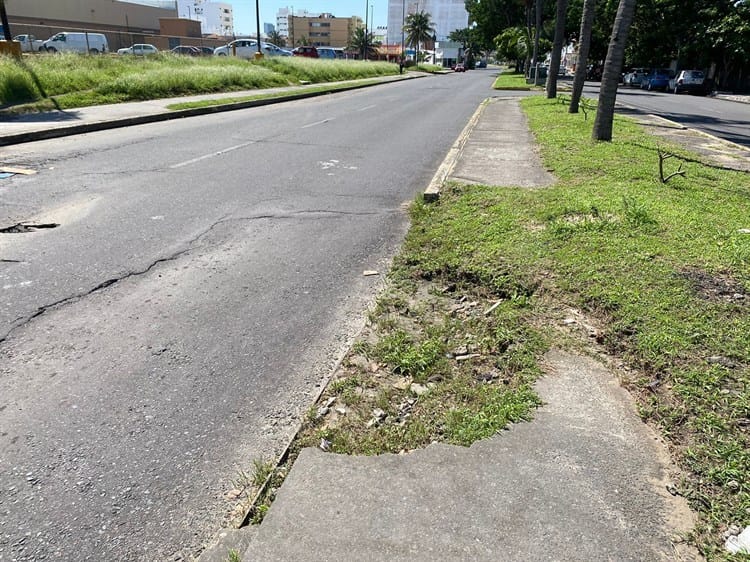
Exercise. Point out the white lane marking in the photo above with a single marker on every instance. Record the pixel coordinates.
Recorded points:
(317, 123)
(212, 155)
(366, 108)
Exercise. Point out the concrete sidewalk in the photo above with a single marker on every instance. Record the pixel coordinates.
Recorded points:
(585, 480)
(55, 124)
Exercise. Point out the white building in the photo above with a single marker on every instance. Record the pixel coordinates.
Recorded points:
(447, 15)
(216, 18)
(282, 19)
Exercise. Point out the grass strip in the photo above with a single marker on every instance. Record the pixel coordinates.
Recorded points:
(78, 81)
(511, 80)
(270, 95)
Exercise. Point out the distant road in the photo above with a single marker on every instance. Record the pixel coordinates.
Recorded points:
(725, 119)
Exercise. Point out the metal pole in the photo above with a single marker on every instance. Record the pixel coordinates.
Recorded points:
(367, 11)
(403, 22)
(4, 20)
(259, 54)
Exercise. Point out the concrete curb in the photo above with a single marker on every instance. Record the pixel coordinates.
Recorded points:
(31, 136)
(432, 193)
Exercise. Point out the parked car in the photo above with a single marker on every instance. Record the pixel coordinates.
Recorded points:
(243, 48)
(459, 67)
(139, 49)
(690, 81)
(187, 50)
(330, 52)
(206, 51)
(657, 79)
(271, 50)
(76, 42)
(306, 51)
(634, 77)
(29, 43)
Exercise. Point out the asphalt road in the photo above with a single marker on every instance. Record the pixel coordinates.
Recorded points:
(204, 278)
(725, 119)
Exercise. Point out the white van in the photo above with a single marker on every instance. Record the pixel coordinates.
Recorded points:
(75, 42)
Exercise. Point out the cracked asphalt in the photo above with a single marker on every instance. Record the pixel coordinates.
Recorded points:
(205, 278)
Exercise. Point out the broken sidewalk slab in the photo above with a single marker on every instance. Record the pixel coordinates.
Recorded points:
(585, 480)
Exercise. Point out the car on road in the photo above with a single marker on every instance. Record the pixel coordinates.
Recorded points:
(657, 79)
(29, 43)
(330, 52)
(243, 48)
(306, 51)
(139, 49)
(634, 77)
(271, 50)
(691, 82)
(459, 67)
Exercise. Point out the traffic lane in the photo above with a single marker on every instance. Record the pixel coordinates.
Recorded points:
(130, 411)
(125, 425)
(724, 119)
(139, 193)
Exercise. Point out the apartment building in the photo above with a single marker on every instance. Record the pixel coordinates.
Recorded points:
(447, 15)
(323, 30)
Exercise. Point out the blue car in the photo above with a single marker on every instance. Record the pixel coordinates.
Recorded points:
(657, 79)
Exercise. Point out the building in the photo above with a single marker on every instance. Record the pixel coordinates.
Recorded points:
(93, 15)
(268, 28)
(447, 15)
(323, 30)
(282, 19)
(217, 18)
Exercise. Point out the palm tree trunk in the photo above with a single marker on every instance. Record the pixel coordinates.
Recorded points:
(537, 32)
(584, 45)
(554, 63)
(605, 112)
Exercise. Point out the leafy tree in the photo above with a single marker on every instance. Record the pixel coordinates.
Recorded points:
(554, 63)
(494, 16)
(364, 43)
(584, 45)
(605, 112)
(277, 39)
(513, 45)
(302, 41)
(419, 28)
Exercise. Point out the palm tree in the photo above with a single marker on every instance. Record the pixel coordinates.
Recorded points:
(277, 39)
(363, 43)
(605, 112)
(419, 28)
(584, 44)
(554, 63)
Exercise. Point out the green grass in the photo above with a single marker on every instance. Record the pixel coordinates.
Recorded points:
(511, 80)
(76, 81)
(664, 268)
(270, 95)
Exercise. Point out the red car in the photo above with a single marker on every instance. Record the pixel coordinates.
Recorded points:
(306, 51)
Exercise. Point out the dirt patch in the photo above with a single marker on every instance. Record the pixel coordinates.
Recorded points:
(714, 288)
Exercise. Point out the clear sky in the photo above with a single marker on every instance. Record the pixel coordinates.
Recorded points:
(244, 11)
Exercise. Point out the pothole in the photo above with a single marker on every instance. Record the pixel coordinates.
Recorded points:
(22, 228)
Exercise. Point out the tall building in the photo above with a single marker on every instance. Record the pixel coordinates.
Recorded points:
(216, 18)
(282, 19)
(268, 28)
(323, 30)
(447, 15)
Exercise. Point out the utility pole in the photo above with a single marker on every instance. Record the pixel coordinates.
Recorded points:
(259, 54)
(367, 11)
(4, 20)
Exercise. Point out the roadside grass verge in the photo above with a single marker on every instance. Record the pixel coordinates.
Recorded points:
(511, 80)
(608, 260)
(77, 81)
(270, 95)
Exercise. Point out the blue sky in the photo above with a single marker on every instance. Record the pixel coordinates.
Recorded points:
(244, 11)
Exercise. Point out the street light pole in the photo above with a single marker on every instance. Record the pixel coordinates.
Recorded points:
(259, 54)
(367, 11)
(403, 22)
